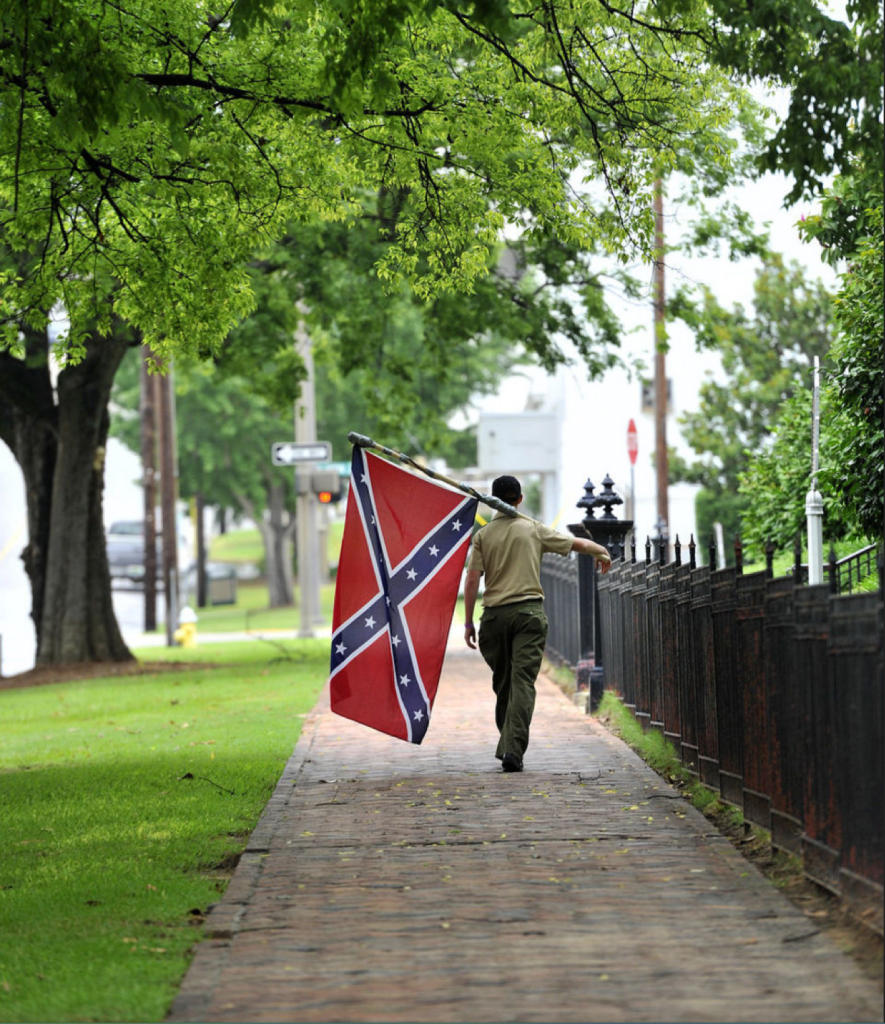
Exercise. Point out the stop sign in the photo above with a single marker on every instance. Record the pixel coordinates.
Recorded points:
(632, 442)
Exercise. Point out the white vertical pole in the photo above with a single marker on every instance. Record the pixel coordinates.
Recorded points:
(305, 431)
(720, 545)
(814, 505)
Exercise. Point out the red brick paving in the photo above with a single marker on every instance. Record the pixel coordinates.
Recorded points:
(387, 882)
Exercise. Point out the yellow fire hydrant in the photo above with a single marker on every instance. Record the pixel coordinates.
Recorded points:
(186, 634)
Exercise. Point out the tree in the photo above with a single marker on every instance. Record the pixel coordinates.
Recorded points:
(58, 437)
(856, 468)
(409, 363)
(852, 430)
(766, 358)
(147, 151)
(159, 148)
(430, 360)
(833, 69)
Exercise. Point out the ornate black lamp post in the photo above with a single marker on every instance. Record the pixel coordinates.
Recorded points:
(611, 533)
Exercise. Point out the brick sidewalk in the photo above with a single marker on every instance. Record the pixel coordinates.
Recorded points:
(387, 882)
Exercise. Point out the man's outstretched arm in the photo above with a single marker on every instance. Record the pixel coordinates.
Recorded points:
(589, 547)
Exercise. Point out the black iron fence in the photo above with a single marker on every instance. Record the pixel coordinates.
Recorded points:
(850, 571)
(560, 582)
(772, 693)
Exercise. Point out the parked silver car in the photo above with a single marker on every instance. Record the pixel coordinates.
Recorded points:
(125, 548)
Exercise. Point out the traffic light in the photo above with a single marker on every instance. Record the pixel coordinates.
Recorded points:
(326, 485)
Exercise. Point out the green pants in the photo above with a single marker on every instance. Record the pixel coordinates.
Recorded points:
(512, 639)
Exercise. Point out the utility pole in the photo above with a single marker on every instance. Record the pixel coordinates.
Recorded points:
(814, 504)
(306, 526)
(662, 468)
(200, 506)
(168, 490)
(149, 484)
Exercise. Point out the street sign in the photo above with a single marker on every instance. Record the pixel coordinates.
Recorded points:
(632, 442)
(290, 453)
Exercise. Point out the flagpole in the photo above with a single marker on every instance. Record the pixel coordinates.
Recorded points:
(361, 441)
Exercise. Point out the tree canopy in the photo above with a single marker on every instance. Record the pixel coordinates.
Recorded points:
(157, 145)
(767, 354)
(833, 69)
(852, 443)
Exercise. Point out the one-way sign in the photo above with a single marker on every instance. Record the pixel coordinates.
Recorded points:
(288, 453)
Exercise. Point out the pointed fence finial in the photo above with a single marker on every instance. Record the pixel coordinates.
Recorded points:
(588, 502)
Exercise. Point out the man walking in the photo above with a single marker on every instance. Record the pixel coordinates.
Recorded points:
(513, 627)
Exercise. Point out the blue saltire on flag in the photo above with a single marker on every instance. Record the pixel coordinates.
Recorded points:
(402, 555)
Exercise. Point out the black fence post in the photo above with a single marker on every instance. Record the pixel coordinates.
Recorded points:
(587, 615)
(611, 532)
(834, 572)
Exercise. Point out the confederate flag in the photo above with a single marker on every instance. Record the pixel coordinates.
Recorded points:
(405, 542)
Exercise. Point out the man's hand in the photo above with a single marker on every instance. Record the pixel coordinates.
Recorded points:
(470, 635)
(604, 562)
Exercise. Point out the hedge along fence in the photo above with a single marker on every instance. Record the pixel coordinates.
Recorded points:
(773, 693)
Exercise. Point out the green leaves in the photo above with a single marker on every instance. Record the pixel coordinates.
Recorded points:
(151, 148)
(766, 357)
(852, 436)
(834, 71)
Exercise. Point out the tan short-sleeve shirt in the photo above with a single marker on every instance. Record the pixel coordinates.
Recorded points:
(508, 552)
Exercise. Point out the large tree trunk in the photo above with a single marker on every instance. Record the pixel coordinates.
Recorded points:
(29, 426)
(61, 450)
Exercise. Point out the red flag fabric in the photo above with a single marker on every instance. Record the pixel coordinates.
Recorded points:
(402, 554)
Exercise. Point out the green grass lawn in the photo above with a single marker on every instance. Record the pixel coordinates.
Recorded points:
(237, 546)
(124, 803)
(244, 546)
(251, 611)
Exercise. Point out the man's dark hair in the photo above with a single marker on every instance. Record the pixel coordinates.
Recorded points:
(507, 488)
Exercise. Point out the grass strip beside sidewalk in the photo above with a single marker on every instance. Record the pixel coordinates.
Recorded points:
(124, 804)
